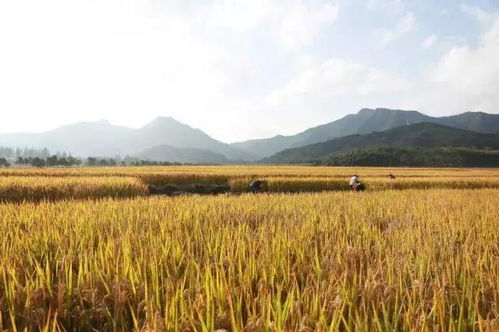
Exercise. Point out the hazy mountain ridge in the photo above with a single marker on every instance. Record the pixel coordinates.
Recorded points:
(365, 122)
(475, 121)
(103, 139)
(183, 155)
(424, 135)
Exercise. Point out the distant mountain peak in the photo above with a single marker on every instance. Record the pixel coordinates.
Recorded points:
(418, 135)
(366, 121)
(384, 110)
(163, 118)
(376, 109)
(162, 121)
(101, 138)
(472, 113)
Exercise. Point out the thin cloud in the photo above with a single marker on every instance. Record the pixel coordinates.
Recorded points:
(336, 78)
(289, 64)
(383, 4)
(484, 17)
(293, 23)
(404, 25)
(429, 41)
(464, 79)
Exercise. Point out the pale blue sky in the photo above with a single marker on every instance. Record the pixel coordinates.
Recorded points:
(241, 69)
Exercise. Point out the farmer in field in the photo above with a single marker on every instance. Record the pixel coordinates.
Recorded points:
(257, 186)
(355, 184)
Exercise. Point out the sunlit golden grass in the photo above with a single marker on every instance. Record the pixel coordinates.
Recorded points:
(39, 188)
(35, 188)
(279, 178)
(374, 261)
(421, 258)
(317, 184)
(226, 172)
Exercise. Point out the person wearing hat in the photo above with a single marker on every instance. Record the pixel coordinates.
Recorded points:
(355, 183)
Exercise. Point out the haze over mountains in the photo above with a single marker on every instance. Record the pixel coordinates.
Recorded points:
(420, 135)
(165, 139)
(366, 121)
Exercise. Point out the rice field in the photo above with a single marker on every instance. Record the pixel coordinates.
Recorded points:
(36, 188)
(89, 250)
(31, 184)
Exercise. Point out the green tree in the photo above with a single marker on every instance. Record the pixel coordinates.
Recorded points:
(91, 161)
(38, 162)
(4, 162)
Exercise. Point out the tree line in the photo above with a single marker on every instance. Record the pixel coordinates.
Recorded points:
(69, 161)
(15, 153)
(43, 158)
(437, 157)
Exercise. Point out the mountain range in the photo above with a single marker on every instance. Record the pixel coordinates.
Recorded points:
(367, 121)
(420, 135)
(162, 139)
(166, 139)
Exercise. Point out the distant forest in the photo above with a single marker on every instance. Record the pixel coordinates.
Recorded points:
(11, 153)
(43, 158)
(381, 156)
(440, 157)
